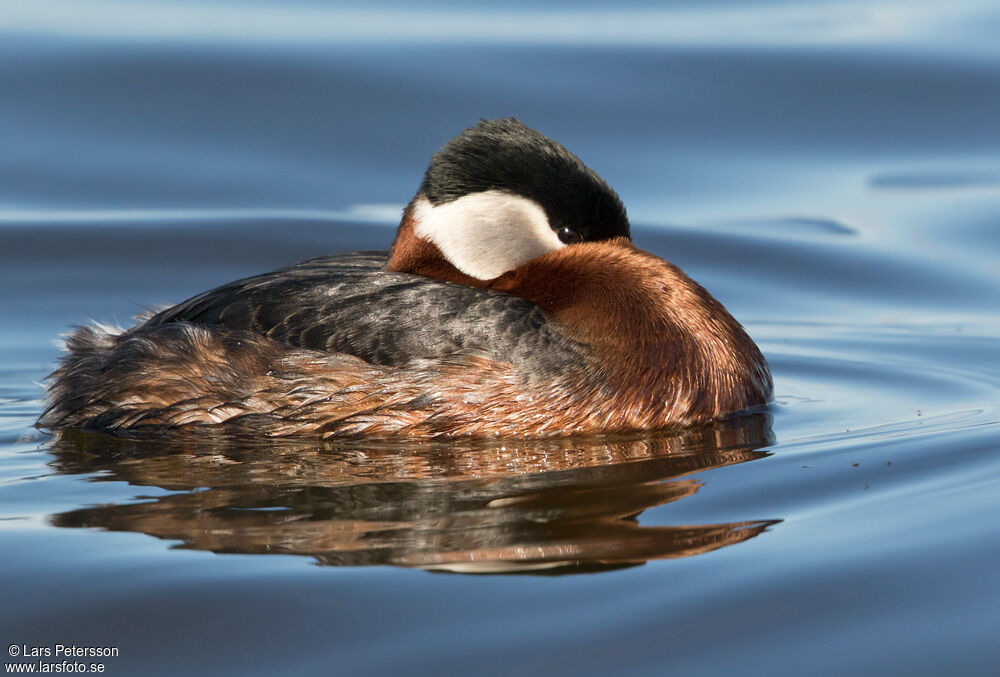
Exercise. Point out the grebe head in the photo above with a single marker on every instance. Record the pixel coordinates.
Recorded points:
(498, 195)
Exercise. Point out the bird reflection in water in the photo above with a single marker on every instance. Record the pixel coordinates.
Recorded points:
(547, 506)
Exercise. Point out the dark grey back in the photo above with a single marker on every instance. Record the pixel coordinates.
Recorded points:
(351, 304)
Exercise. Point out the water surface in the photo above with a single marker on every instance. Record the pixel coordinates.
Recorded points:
(828, 170)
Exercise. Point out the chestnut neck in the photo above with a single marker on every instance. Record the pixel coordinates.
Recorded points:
(609, 292)
(652, 326)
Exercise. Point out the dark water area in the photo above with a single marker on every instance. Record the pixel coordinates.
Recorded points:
(830, 171)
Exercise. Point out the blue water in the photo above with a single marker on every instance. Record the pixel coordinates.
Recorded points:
(830, 171)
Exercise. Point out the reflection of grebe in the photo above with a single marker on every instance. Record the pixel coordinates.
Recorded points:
(512, 304)
(474, 506)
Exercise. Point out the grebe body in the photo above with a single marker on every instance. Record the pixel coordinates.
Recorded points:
(512, 303)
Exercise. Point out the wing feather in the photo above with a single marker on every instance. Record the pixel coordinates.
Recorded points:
(351, 304)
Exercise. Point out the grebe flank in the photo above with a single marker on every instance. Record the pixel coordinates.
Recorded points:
(512, 303)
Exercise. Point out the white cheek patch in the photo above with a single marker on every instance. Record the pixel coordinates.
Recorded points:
(486, 234)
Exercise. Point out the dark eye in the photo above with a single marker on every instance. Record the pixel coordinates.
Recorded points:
(569, 236)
